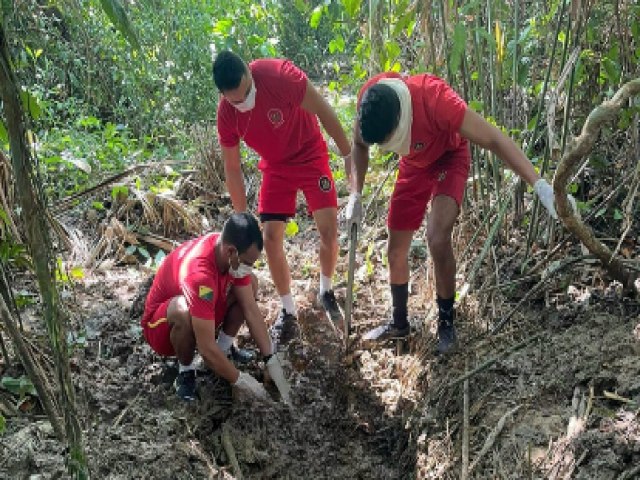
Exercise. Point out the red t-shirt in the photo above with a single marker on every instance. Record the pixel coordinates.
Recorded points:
(278, 128)
(190, 270)
(437, 111)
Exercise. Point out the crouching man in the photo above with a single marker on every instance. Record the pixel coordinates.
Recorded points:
(203, 286)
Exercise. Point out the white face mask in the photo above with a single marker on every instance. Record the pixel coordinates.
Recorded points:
(400, 139)
(248, 102)
(242, 271)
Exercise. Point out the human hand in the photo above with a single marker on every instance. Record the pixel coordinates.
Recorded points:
(354, 210)
(248, 387)
(274, 367)
(545, 193)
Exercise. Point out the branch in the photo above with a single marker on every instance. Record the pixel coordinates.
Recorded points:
(579, 148)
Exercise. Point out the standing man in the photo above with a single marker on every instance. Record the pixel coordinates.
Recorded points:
(271, 106)
(203, 285)
(424, 120)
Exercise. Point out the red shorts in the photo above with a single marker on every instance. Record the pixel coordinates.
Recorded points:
(279, 188)
(415, 187)
(157, 330)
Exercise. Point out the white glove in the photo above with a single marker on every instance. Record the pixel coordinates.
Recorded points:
(545, 193)
(277, 375)
(246, 386)
(354, 210)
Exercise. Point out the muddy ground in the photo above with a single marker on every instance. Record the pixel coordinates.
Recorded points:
(566, 404)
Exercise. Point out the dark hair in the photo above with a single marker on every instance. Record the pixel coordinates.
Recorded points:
(242, 230)
(379, 113)
(228, 69)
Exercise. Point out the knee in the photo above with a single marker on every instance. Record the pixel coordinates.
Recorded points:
(271, 240)
(178, 313)
(439, 242)
(397, 256)
(329, 235)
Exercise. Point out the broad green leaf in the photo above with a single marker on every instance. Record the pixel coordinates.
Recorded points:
(458, 47)
(336, 44)
(97, 205)
(117, 15)
(30, 104)
(3, 424)
(291, 229)
(612, 70)
(144, 252)
(160, 256)
(18, 386)
(476, 105)
(351, 7)
(617, 214)
(316, 15)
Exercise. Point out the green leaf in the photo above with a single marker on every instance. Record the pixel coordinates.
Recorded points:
(144, 252)
(351, 7)
(458, 47)
(97, 205)
(30, 104)
(316, 15)
(612, 70)
(291, 229)
(336, 44)
(476, 105)
(160, 255)
(617, 214)
(77, 273)
(117, 15)
(18, 386)
(3, 424)
(4, 137)
(130, 249)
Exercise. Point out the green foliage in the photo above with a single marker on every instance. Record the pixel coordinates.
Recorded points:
(117, 15)
(20, 386)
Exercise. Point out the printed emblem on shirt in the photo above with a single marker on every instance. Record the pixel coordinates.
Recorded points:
(324, 183)
(418, 146)
(275, 117)
(205, 293)
(442, 175)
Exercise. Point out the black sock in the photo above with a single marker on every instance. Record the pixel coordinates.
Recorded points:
(399, 299)
(445, 308)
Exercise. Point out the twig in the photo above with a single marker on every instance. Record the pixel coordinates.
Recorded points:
(630, 473)
(231, 453)
(125, 410)
(492, 437)
(192, 448)
(493, 360)
(465, 429)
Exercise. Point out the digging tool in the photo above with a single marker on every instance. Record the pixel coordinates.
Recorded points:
(353, 243)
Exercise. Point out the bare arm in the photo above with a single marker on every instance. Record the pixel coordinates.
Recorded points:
(233, 177)
(253, 317)
(482, 133)
(359, 161)
(315, 103)
(205, 333)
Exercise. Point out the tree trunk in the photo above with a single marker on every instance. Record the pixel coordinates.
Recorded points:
(38, 242)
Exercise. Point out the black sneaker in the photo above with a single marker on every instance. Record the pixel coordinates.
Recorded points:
(284, 329)
(185, 385)
(330, 305)
(387, 331)
(241, 355)
(446, 336)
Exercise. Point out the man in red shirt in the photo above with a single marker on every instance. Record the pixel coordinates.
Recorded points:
(424, 120)
(271, 105)
(206, 285)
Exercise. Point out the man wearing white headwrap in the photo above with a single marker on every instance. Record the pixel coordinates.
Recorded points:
(425, 121)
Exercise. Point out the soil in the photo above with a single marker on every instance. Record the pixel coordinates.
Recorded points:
(565, 405)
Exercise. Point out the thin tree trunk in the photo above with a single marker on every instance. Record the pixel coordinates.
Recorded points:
(33, 217)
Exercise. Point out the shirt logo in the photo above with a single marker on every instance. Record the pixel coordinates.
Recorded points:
(275, 117)
(418, 146)
(442, 175)
(205, 293)
(324, 183)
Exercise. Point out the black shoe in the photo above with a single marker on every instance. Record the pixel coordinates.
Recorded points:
(285, 329)
(387, 331)
(330, 305)
(446, 336)
(241, 355)
(185, 385)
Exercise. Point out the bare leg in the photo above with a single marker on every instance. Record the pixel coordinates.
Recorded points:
(327, 223)
(274, 248)
(181, 335)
